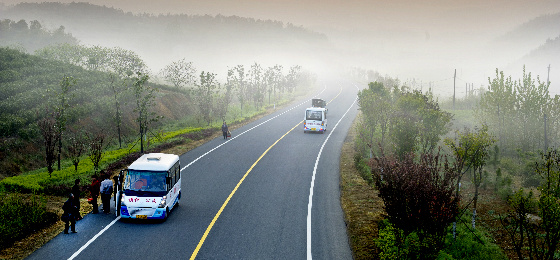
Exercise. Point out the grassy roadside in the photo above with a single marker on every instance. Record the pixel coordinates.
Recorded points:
(363, 209)
(24, 247)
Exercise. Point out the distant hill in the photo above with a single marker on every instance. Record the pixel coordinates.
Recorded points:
(28, 91)
(538, 60)
(159, 39)
(533, 33)
(31, 36)
(538, 44)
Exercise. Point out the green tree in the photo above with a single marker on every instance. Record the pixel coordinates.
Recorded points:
(61, 107)
(125, 62)
(118, 111)
(292, 78)
(256, 85)
(376, 105)
(180, 73)
(65, 52)
(273, 80)
(406, 119)
(515, 112)
(96, 58)
(145, 100)
(537, 237)
(206, 89)
(236, 79)
(471, 151)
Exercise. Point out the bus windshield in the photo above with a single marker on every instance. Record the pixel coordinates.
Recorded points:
(145, 181)
(313, 115)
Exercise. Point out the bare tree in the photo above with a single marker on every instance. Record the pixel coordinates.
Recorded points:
(96, 149)
(76, 147)
(47, 126)
(63, 98)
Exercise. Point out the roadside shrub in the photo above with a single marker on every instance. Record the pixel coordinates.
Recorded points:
(471, 244)
(467, 245)
(419, 197)
(363, 168)
(532, 181)
(510, 165)
(502, 184)
(19, 217)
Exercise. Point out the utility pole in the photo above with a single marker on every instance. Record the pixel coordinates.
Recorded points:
(454, 77)
(545, 134)
(548, 76)
(545, 137)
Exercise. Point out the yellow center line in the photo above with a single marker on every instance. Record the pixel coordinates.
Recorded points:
(193, 256)
(336, 96)
(195, 253)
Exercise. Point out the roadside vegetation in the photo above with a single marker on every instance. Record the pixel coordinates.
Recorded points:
(70, 111)
(458, 188)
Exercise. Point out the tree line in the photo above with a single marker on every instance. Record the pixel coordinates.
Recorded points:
(95, 93)
(168, 28)
(420, 184)
(31, 36)
(520, 113)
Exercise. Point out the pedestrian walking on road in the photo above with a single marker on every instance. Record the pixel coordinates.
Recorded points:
(106, 190)
(94, 191)
(76, 190)
(225, 130)
(69, 214)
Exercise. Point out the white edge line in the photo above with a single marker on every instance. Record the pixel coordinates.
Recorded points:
(310, 201)
(94, 238)
(211, 150)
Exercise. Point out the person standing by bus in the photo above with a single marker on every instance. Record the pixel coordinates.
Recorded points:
(106, 190)
(94, 191)
(225, 130)
(69, 214)
(76, 190)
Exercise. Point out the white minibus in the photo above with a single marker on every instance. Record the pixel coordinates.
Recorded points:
(150, 187)
(315, 120)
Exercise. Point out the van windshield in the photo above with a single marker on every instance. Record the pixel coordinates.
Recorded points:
(313, 115)
(145, 181)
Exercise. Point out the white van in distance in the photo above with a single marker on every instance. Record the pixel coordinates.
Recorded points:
(150, 187)
(315, 120)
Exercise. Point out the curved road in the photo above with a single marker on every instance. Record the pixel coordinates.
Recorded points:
(269, 192)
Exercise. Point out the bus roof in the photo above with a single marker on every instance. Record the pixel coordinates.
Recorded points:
(154, 162)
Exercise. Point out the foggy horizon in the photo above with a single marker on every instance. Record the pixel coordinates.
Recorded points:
(425, 41)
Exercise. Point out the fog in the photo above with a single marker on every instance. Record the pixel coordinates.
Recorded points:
(419, 42)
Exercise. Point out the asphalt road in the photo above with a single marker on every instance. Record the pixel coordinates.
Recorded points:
(269, 192)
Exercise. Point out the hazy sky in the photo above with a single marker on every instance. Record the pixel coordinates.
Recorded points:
(448, 15)
(401, 38)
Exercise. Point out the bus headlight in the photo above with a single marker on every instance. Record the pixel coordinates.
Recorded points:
(162, 202)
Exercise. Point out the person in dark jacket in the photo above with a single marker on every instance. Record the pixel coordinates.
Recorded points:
(94, 191)
(68, 216)
(76, 190)
(225, 130)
